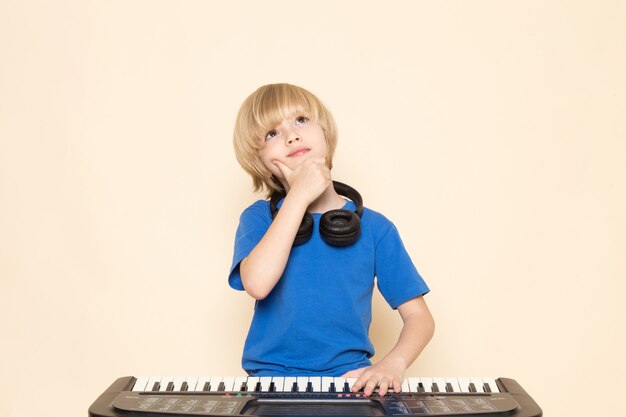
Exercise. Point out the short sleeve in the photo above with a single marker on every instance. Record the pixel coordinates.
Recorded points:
(397, 277)
(253, 223)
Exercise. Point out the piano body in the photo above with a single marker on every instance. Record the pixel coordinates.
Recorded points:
(309, 396)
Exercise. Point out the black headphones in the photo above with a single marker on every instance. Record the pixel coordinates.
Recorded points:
(337, 227)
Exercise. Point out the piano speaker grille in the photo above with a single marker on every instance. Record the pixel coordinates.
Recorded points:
(313, 410)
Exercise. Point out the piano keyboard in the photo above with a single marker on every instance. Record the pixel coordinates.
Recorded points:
(217, 396)
(305, 384)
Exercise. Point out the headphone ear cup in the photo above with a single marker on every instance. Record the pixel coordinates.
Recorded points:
(340, 227)
(337, 227)
(305, 231)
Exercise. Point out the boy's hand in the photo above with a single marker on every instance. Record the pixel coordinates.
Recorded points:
(385, 375)
(308, 180)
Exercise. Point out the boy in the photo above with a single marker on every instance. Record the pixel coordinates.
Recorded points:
(313, 300)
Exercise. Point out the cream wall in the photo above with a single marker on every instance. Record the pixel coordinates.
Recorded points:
(492, 134)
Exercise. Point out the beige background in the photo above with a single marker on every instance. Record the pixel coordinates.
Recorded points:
(492, 134)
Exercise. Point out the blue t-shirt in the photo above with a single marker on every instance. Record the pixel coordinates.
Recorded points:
(316, 320)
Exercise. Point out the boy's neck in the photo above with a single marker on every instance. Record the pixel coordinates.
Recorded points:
(328, 200)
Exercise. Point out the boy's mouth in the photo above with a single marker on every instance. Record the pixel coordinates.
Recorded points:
(298, 152)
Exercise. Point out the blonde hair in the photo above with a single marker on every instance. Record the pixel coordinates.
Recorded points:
(261, 112)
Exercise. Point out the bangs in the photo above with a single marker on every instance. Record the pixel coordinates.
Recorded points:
(277, 102)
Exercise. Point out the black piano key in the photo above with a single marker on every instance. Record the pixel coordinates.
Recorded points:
(332, 388)
(486, 387)
(309, 387)
(156, 386)
(420, 387)
(206, 387)
(294, 387)
(449, 387)
(435, 387)
(272, 387)
(346, 387)
(170, 386)
(184, 386)
(472, 387)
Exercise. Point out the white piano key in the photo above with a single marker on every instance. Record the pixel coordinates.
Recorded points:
(178, 382)
(464, 384)
(202, 381)
(427, 382)
(141, 383)
(405, 385)
(289, 380)
(252, 383)
(191, 381)
(153, 380)
(351, 382)
(165, 382)
(455, 384)
(326, 381)
(316, 382)
(239, 382)
(265, 383)
(215, 383)
(441, 383)
(302, 383)
(469, 382)
(478, 383)
(414, 384)
(339, 384)
(229, 383)
(492, 384)
(279, 383)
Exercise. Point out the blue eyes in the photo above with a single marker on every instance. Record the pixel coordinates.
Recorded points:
(300, 120)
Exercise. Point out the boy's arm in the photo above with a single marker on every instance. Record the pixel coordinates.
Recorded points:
(417, 331)
(263, 267)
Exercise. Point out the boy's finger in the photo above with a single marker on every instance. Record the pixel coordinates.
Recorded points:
(397, 387)
(383, 387)
(284, 169)
(358, 384)
(370, 387)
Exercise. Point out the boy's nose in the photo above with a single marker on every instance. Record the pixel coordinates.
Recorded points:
(294, 138)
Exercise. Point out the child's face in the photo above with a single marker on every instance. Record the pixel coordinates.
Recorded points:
(294, 140)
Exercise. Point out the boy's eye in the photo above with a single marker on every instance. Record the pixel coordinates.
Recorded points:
(270, 134)
(302, 119)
